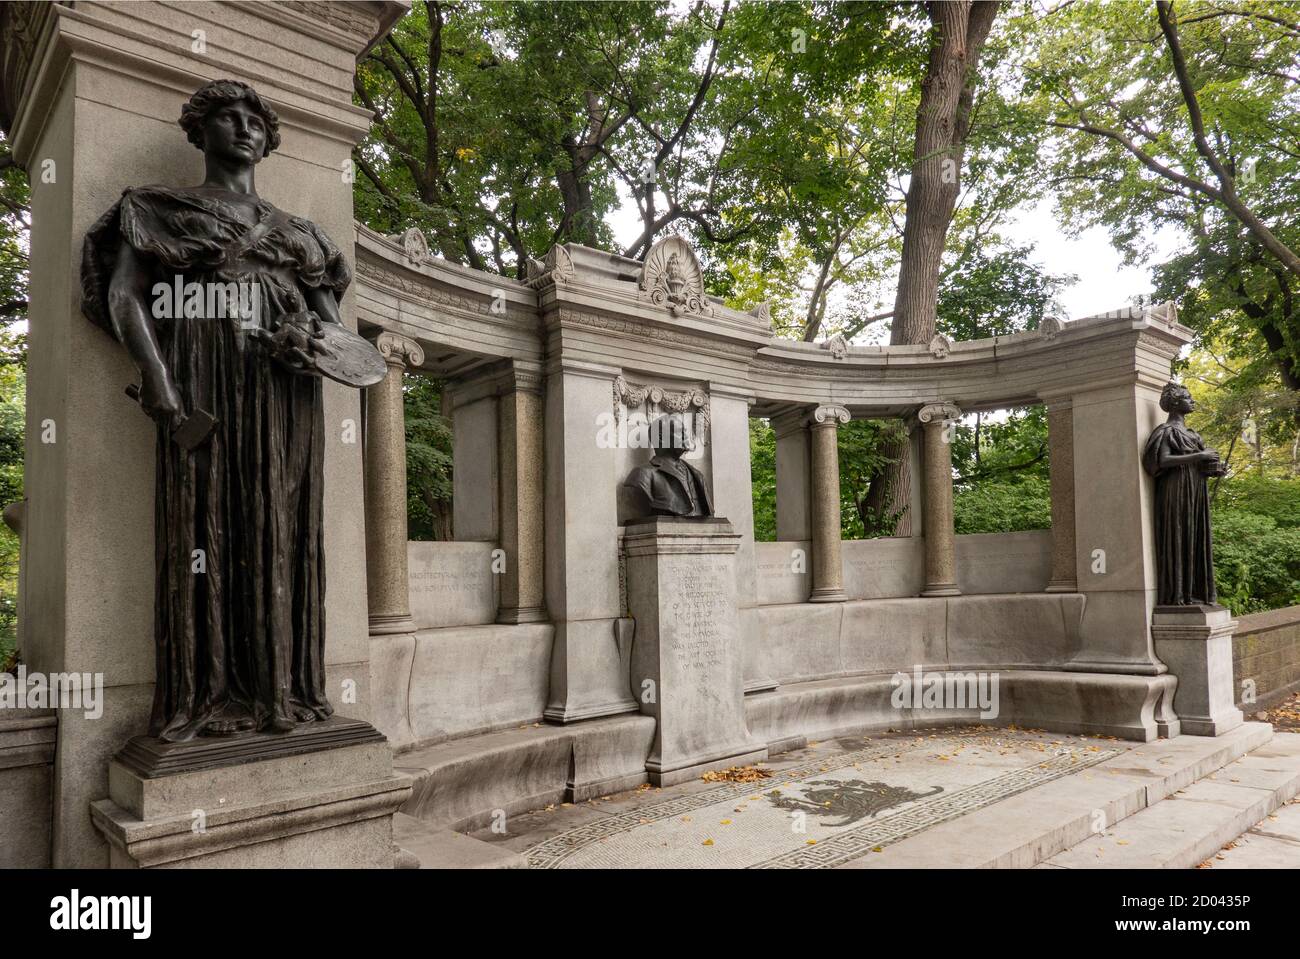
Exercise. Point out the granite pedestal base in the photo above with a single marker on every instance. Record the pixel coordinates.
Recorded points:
(1195, 642)
(327, 807)
(687, 660)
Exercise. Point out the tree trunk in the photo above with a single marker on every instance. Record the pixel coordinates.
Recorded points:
(957, 34)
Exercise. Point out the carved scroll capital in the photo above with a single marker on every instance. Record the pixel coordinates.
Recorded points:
(938, 413)
(829, 416)
(398, 351)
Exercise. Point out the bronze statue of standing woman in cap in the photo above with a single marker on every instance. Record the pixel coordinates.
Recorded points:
(240, 614)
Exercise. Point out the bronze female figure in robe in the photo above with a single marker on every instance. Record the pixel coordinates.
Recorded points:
(239, 616)
(1178, 459)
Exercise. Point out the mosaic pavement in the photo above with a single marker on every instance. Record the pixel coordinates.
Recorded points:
(819, 811)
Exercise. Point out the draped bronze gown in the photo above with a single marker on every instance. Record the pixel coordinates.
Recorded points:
(1184, 549)
(243, 638)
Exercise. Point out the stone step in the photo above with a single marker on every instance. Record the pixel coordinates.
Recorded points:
(1272, 843)
(1025, 830)
(1194, 823)
(463, 783)
(422, 846)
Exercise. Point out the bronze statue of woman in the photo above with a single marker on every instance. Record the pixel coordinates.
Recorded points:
(1176, 456)
(239, 615)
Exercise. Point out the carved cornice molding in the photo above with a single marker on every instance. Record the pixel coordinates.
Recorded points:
(399, 352)
(424, 289)
(644, 331)
(672, 277)
(828, 416)
(656, 399)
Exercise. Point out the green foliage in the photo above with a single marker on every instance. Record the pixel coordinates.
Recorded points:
(862, 458)
(762, 465)
(1124, 156)
(428, 460)
(13, 407)
(1256, 561)
(1004, 507)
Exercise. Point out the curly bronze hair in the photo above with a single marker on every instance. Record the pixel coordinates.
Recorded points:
(218, 93)
(1172, 389)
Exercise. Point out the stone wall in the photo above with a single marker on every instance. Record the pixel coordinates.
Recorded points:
(892, 568)
(1266, 649)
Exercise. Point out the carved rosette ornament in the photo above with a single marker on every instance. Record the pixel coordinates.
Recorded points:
(399, 351)
(837, 345)
(940, 346)
(672, 277)
(555, 270)
(1050, 328)
(652, 400)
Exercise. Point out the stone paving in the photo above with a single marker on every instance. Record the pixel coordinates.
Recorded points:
(822, 806)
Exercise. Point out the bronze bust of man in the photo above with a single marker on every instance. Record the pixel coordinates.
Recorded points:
(670, 485)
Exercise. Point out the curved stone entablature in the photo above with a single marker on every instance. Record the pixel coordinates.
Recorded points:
(462, 317)
(591, 308)
(1123, 346)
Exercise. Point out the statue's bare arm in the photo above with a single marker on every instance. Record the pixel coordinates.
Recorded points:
(128, 293)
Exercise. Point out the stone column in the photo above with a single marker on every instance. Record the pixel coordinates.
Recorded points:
(828, 569)
(519, 453)
(1060, 440)
(386, 573)
(793, 519)
(940, 562)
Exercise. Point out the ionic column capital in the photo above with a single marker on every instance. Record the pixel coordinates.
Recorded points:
(399, 352)
(938, 413)
(828, 417)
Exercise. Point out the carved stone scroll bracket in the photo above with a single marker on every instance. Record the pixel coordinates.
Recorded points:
(672, 277)
(652, 399)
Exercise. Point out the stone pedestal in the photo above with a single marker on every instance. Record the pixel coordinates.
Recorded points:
(27, 741)
(198, 805)
(687, 660)
(1195, 642)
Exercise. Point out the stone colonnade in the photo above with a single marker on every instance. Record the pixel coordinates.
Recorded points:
(808, 494)
(515, 521)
